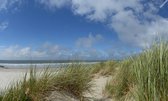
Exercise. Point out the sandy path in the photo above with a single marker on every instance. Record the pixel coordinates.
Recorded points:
(99, 85)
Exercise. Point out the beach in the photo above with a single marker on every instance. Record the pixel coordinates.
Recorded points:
(9, 76)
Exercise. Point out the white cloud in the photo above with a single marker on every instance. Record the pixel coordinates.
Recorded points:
(88, 42)
(137, 32)
(100, 10)
(14, 51)
(129, 28)
(136, 23)
(132, 20)
(3, 26)
(18, 52)
(46, 51)
(54, 50)
(49, 51)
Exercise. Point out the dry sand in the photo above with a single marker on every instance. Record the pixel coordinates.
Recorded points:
(9, 76)
(99, 85)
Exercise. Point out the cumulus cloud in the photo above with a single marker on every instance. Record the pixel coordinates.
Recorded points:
(88, 42)
(102, 9)
(3, 26)
(55, 51)
(50, 51)
(132, 20)
(14, 51)
(136, 21)
(18, 52)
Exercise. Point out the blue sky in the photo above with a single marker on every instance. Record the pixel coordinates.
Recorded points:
(81, 29)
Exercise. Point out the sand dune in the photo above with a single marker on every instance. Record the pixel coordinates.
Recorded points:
(10, 76)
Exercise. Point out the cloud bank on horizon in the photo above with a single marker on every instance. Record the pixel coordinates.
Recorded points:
(136, 22)
(50, 51)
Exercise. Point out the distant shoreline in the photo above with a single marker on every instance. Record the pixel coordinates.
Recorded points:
(47, 61)
(39, 65)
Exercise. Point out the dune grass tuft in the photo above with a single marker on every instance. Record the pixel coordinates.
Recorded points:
(121, 82)
(31, 87)
(143, 77)
(74, 79)
(151, 72)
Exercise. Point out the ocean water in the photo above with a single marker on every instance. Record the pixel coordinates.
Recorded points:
(39, 64)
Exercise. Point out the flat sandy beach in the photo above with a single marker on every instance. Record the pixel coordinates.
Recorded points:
(9, 76)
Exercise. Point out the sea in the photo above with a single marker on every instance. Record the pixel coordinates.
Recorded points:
(21, 64)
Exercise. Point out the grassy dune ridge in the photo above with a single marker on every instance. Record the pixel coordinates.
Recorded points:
(74, 79)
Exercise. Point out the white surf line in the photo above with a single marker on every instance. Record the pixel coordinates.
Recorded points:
(163, 3)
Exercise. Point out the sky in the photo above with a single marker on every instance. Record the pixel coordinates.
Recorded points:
(79, 29)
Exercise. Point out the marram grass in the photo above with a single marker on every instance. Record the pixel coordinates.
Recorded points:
(121, 82)
(30, 88)
(74, 79)
(143, 77)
